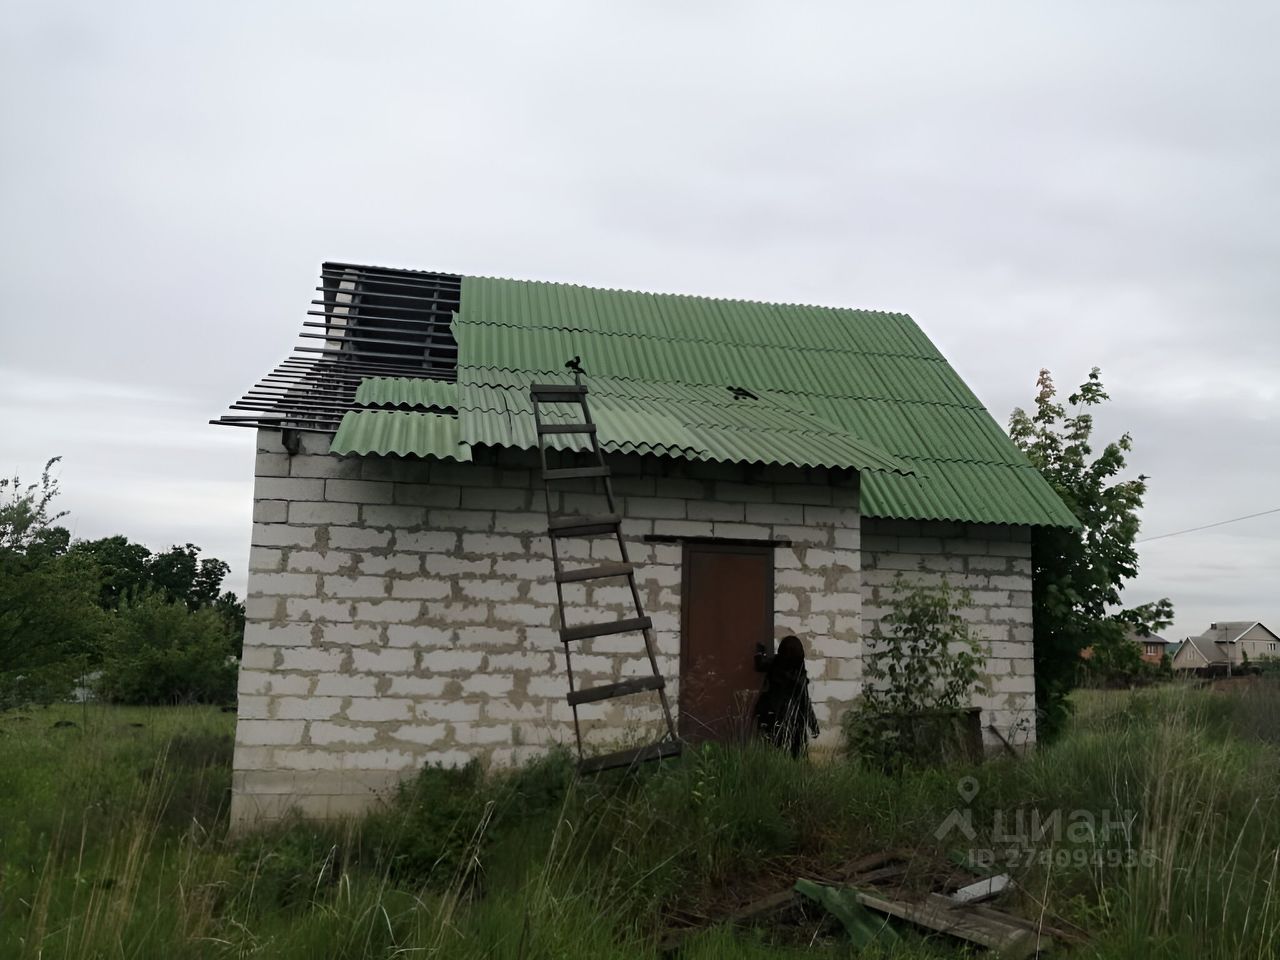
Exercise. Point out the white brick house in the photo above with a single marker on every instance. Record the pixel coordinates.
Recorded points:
(401, 609)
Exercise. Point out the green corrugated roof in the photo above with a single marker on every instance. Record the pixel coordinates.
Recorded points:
(399, 432)
(407, 392)
(676, 420)
(837, 387)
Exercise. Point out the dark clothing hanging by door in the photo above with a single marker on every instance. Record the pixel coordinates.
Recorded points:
(784, 712)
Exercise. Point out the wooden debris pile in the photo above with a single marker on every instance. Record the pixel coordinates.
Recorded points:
(875, 897)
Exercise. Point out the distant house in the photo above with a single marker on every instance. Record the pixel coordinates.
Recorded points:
(1153, 646)
(774, 469)
(1227, 646)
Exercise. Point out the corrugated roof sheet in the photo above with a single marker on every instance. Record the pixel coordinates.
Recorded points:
(407, 392)
(396, 432)
(837, 388)
(698, 423)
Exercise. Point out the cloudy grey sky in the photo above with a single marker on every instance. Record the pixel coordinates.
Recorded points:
(1055, 185)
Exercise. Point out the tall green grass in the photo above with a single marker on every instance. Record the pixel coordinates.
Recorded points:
(114, 843)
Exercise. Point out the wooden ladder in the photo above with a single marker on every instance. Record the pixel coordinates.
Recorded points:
(564, 526)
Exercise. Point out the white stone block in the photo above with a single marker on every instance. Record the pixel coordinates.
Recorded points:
(323, 466)
(506, 710)
(427, 541)
(357, 491)
(481, 733)
(522, 522)
(309, 561)
(388, 611)
(416, 636)
(379, 760)
(487, 544)
(281, 635)
(346, 685)
(307, 708)
(283, 535)
(287, 488)
(489, 589)
(817, 536)
(268, 464)
(257, 658)
(308, 608)
(352, 634)
(418, 686)
(480, 636)
(324, 733)
(428, 495)
(382, 661)
(265, 560)
(270, 511)
(541, 662)
(528, 613)
(379, 709)
(716, 510)
(358, 538)
(424, 733)
(454, 710)
(399, 563)
(258, 733)
(441, 565)
(552, 687)
(682, 528)
(488, 684)
(452, 661)
(283, 584)
(398, 516)
(457, 613)
(311, 513)
(253, 708)
(347, 586)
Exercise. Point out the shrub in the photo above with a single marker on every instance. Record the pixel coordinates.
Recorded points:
(163, 653)
(917, 677)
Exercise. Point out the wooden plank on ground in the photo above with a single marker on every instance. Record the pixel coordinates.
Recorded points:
(937, 913)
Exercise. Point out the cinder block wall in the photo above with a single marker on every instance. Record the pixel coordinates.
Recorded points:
(402, 612)
(994, 562)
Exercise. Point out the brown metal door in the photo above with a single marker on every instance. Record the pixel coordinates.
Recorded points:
(727, 608)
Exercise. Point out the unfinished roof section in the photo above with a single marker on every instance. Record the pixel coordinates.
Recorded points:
(691, 377)
(366, 321)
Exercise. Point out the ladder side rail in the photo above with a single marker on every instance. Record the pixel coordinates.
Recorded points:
(649, 639)
(555, 563)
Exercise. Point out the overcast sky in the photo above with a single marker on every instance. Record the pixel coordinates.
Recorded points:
(1057, 185)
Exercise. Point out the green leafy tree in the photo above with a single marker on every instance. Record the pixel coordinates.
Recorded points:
(51, 626)
(1080, 574)
(122, 568)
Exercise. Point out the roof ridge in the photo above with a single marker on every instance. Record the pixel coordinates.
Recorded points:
(692, 296)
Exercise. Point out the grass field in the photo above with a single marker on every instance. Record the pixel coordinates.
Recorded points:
(113, 843)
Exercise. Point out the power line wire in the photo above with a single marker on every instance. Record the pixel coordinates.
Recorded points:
(1178, 533)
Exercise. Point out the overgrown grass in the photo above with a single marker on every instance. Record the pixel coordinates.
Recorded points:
(114, 842)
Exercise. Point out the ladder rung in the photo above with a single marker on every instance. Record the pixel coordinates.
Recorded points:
(608, 691)
(601, 572)
(582, 525)
(586, 631)
(627, 758)
(575, 473)
(545, 391)
(566, 428)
